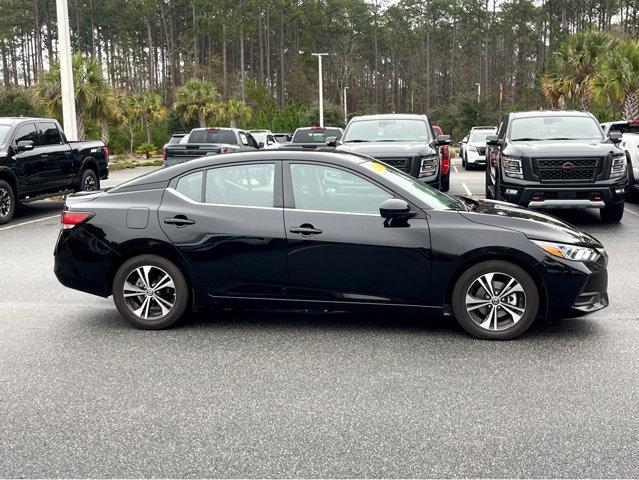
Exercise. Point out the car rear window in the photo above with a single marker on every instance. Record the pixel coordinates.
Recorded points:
(625, 128)
(315, 135)
(212, 136)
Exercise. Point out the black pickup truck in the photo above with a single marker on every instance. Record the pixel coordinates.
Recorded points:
(201, 142)
(37, 161)
(557, 159)
(404, 141)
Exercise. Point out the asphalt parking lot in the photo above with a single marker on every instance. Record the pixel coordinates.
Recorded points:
(263, 394)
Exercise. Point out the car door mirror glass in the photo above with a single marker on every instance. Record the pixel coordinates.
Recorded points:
(260, 145)
(331, 141)
(443, 140)
(24, 145)
(492, 140)
(615, 137)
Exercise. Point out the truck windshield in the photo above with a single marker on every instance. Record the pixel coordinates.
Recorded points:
(479, 136)
(433, 199)
(4, 129)
(211, 136)
(568, 127)
(387, 130)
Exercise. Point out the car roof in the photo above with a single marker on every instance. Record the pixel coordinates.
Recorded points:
(550, 113)
(12, 120)
(318, 128)
(164, 175)
(395, 116)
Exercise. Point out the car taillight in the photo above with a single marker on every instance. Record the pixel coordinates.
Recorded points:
(105, 150)
(163, 153)
(445, 160)
(71, 219)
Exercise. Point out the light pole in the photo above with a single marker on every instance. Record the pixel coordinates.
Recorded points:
(66, 71)
(345, 111)
(478, 85)
(321, 93)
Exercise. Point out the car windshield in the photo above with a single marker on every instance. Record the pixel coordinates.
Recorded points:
(387, 130)
(315, 135)
(212, 135)
(259, 137)
(4, 130)
(566, 127)
(432, 198)
(479, 136)
(281, 138)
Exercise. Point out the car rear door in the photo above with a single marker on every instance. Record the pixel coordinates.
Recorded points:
(57, 154)
(338, 246)
(227, 221)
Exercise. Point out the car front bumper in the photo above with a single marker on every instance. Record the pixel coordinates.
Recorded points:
(564, 196)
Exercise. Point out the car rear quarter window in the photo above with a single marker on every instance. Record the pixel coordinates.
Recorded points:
(250, 185)
(26, 132)
(191, 186)
(49, 133)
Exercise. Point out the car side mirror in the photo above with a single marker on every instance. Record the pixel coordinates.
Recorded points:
(270, 142)
(493, 140)
(394, 208)
(615, 137)
(331, 141)
(24, 145)
(260, 145)
(442, 140)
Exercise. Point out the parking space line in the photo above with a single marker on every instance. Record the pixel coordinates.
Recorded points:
(29, 222)
(468, 192)
(629, 210)
(455, 168)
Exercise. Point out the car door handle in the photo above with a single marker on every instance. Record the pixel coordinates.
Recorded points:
(179, 221)
(306, 229)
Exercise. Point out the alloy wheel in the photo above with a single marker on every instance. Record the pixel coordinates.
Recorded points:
(495, 301)
(5, 202)
(89, 183)
(149, 292)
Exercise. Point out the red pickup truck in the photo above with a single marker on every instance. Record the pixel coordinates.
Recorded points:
(445, 156)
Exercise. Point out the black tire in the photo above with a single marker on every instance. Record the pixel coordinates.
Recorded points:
(527, 302)
(7, 202)
(463, 157)
(612, 213)
(158, 267)
(489, 193)
(88, 181)
(632, 193)
(445, 185)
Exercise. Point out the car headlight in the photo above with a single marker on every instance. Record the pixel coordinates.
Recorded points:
(472, 149)
(618, 167)
(429, 166)
(511, 167)
(570, 252)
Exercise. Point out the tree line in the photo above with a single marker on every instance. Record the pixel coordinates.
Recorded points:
(422, 56)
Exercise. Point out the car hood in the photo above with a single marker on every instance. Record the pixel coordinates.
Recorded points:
(535, 225)
(388, 149)
(563, 148)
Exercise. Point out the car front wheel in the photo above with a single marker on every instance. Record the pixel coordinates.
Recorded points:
(150, 292)
(612, 213)
(7, 202)
(495, 300)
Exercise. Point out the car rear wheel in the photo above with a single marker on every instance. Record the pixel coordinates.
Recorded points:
(495, 300)
(150, 292)
(7, 202)
(445, 185)
(89, 181)
(612, 213)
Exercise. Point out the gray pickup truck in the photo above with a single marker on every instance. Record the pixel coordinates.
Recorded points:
(201, 142)
(37, 161)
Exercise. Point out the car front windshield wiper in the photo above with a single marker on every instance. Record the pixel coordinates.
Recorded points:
(526, 139)
(356, 141)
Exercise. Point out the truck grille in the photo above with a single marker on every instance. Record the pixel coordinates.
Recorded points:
(402, 163)
(566, 169)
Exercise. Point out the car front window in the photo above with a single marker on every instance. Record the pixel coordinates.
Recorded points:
(433, 199)
(564, 127)
(387, 130)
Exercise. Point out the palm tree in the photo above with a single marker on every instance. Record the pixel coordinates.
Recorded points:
(198, 99)
(574, 66)
(237, 112)
(107, 110)
(88, 83)
(147, 107)
(618, 78)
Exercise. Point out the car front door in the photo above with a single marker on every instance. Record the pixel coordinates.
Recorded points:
(35, 172)
(339, 248)
(227, 221)
(57, 155)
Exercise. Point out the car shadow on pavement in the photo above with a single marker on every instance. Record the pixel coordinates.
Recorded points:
(41, 208)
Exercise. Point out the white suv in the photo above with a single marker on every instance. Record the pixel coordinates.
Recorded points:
(474, 153)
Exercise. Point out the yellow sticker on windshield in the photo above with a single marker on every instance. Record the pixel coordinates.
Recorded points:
(378, 167)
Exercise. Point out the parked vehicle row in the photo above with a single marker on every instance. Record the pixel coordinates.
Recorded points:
(37, 161)
(311, 229)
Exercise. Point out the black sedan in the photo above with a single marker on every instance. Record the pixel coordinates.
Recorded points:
(322, 230)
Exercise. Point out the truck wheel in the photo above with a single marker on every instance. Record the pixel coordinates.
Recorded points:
(7, 202)
(495, 300)
(88, 181)
(489, 193)
(612, 213)
(445, 185)
(632, 194)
